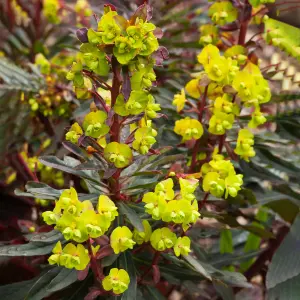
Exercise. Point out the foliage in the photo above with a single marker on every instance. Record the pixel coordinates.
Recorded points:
(160, 156)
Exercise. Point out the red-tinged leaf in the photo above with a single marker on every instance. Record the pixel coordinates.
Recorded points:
(122, 22)
(158, 32)
(93, 295)
(109, 6)
(143, 12)
(82, 35)
(109, 172)
(75, 149)
(159, 115)
(133, 119)
(229, 27)
(99, 101)
(204, 81)
(160, 55)
(81, 139)
(126, 85)
(130, 138)
(102, 240)
(104, 251)
(81, 275)
(156, 274)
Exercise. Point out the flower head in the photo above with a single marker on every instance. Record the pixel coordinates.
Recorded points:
(179, 100)
(141, 237)
(182, 246)
(118, 154)
(117, 281)
(74, 133)
(162, 239)
(121, 239)
(189, 129)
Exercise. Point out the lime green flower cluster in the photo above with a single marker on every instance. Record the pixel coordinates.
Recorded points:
(219, 177)
(209, 34)
(117, 281)
(51, 99)
(221, 71)
(21, 16)
(238, 53)
(144, 138)
(244, 146)
(138, 102)
(118, 154)
(131, 42)
(47, 174)
(74, 133)
(121, 239)
(83, 7)
(70, 256)
(251, 87)
(43, 63)
(222, 12)
(50, 11)
(163, 204)
(93, 125)
(141, 237)
(189, 129)
(77, 220)
(179, 100)
(163, 238)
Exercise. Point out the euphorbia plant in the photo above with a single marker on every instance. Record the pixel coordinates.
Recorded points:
(131, 233)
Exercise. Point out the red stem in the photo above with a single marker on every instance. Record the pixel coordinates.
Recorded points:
(201, 107)
(94, 265)
(154, 262)
(203, 202)
(221, 142)
(243, 31)
(26, 168)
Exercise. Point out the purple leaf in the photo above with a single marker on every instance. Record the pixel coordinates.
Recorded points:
(107, 6)
(158, 32)
(104, 251)
(82, 35)
(143, 12)
(133, 119)
(109, 172)
(160, 55)
(81, 275)
(156, 274)
(126, 85)
(93, 295)
(99, 101)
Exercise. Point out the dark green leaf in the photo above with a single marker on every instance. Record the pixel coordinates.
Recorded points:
(132, 216)
(67, 165)
(63, 279)
(287, 209)
(30, 249)
(198, 266)
(285, 264)
(126, 262)
(225, 291)
(44, 237)
(151, 293)
(226, 245)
